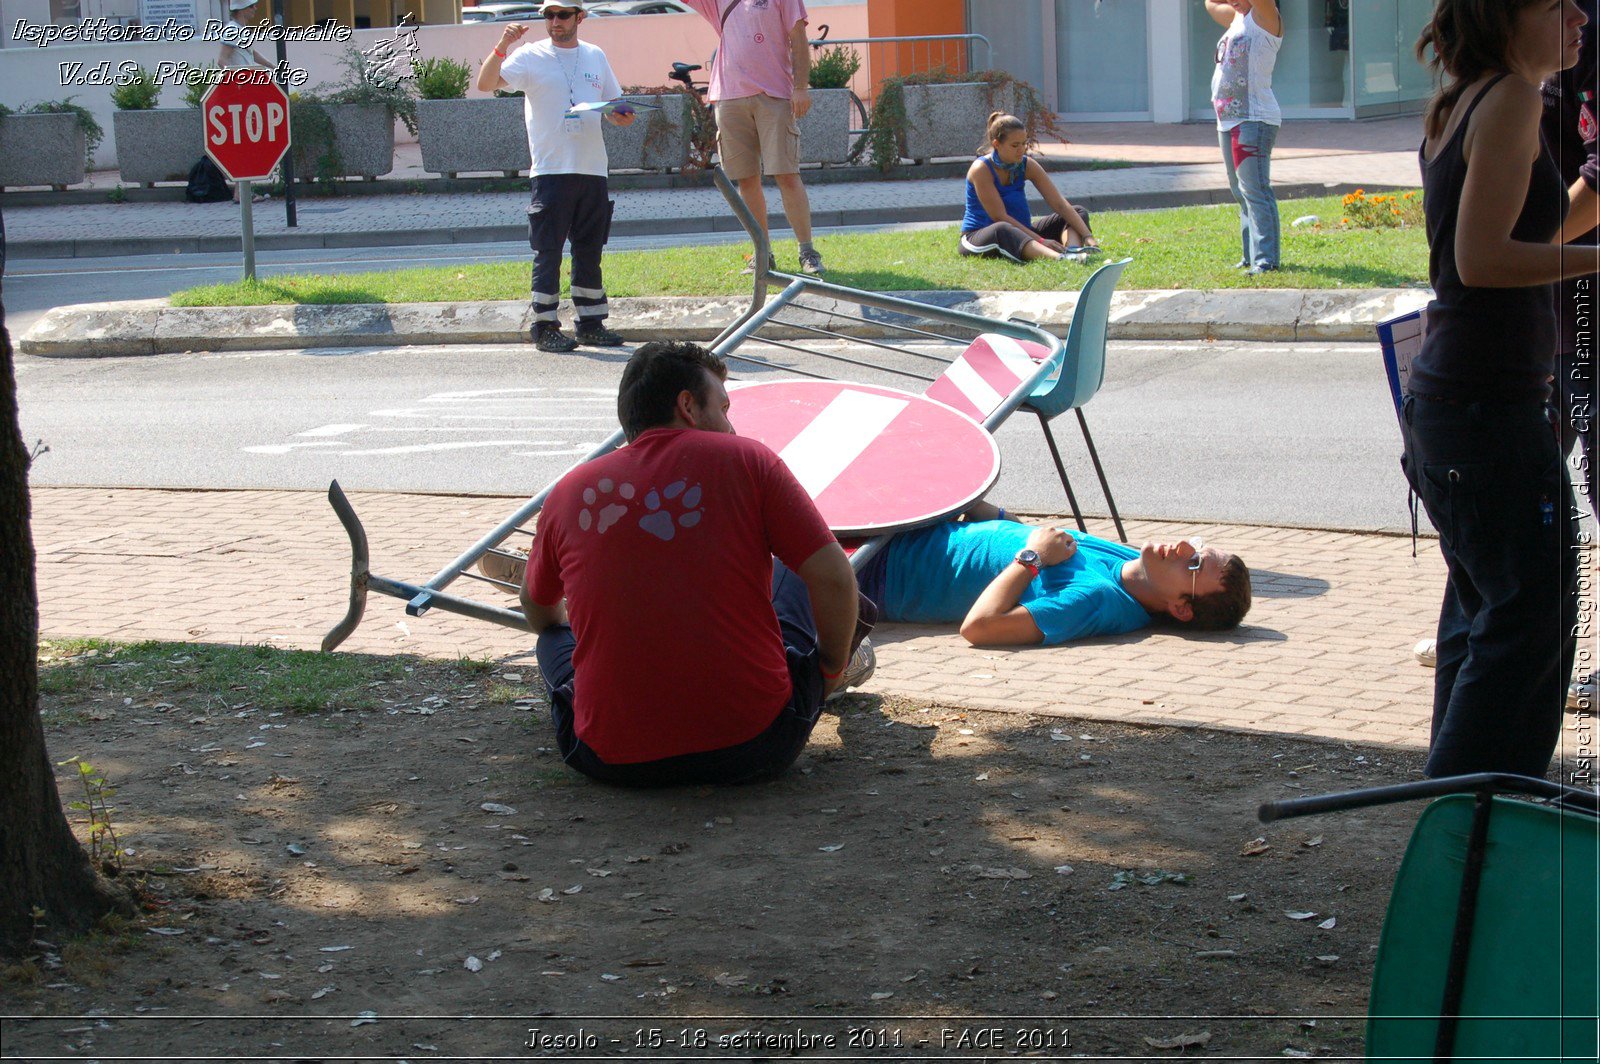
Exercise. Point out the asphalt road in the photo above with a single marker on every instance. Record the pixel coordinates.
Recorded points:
(1296, 434)
(1290, 434)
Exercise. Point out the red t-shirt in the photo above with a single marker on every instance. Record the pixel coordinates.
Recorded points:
(663, 551)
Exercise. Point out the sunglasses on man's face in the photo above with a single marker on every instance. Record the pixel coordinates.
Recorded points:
(560, 16)
(1195, 563)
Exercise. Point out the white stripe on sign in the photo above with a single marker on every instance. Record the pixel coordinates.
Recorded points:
(846, 427)
(974, 387)
(1012, 354)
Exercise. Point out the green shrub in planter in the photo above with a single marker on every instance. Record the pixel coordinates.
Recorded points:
(136, 92)
(442, 78)
(833, 68)
(92, 133)
(196, 80)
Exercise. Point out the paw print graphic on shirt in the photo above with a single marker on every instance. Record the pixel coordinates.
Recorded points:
(662, 523)
(611, 512)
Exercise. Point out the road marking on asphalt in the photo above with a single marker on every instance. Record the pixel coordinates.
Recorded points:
(419, 448)
(331, 430)
(285, 448)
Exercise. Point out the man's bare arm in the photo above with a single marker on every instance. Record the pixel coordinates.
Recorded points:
(800, 59)
(997, 619)
(831, 583)
(489, 78)
(542, 617)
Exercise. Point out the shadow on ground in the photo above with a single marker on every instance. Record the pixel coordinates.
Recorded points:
(429, 857)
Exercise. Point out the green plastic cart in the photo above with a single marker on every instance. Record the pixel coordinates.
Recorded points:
(1491, 947)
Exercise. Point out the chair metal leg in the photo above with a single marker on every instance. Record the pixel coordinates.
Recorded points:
(1061, 470)
(1094, 456)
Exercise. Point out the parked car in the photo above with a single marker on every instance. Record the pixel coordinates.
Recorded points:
(642, 7)
(500, 12)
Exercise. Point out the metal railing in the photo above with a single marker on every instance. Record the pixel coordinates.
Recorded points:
(833, 313)
(927, 52)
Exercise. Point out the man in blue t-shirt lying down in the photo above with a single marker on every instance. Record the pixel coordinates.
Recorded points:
(1011, 584)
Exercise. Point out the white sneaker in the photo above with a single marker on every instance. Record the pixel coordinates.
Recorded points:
(862, 665)
(1426, 653)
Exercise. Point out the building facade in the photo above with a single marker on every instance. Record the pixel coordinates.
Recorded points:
(1151, 60)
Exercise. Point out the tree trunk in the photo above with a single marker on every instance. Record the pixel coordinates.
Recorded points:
(41, 863)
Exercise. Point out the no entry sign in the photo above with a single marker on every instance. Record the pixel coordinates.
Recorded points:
(246, 117)
(874, 460)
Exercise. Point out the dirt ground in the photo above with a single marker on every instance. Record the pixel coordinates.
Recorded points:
(927, 882)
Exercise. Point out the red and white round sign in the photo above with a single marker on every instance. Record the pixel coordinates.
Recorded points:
(875, 460)
(246, 120)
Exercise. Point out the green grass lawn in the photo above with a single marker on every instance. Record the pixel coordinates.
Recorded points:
(1183, 247)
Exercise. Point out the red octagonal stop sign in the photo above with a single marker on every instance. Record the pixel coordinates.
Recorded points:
(246, 116)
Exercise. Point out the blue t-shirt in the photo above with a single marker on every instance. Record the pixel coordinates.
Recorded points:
(934, 575)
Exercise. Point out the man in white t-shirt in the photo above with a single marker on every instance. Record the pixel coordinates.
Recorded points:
(232, 55)
(570, 200)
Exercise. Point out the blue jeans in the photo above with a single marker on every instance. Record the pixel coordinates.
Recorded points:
(763, 757)
(1492, 479)
(1247, 153)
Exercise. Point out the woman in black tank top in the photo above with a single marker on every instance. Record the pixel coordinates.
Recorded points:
(1479, 446)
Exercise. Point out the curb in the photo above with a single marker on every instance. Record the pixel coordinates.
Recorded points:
(151, 327)
(715, 223)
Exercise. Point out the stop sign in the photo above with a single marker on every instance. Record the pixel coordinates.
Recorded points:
(246, 123)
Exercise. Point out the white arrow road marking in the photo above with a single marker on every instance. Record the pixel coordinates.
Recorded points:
(847, 425)
(330, 430)
(421, 414)
(420, 448)
(285, 448)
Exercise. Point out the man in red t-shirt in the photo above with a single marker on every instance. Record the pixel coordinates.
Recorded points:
(683, 652)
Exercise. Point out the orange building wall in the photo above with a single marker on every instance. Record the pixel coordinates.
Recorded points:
(905, 18)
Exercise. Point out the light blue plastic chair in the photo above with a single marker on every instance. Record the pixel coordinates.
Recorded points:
(1083, 370)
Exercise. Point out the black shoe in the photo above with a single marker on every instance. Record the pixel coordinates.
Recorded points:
(595, 334)
(547, 336)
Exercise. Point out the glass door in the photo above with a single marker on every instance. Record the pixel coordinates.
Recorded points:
(1103, 59)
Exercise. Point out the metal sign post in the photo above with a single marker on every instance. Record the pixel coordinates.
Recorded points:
(245, 116)
(247, 223)
(290, 208)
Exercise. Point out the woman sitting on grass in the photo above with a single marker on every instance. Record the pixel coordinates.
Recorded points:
(997, 220)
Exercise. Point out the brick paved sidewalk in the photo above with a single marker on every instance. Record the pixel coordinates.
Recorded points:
(1326, 652)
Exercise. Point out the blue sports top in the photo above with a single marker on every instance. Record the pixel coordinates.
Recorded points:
(1014, 196)
(934, 575)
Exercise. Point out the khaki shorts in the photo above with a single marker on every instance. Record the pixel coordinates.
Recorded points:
(757, 135)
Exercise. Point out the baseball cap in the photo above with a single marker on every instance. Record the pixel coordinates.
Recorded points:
(565, 5)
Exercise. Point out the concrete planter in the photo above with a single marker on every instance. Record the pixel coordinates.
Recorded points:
(363, 137)
(41, 150)
(825, 130)
(657, 140)
(161, 144)
(948, 121)
(485, 135)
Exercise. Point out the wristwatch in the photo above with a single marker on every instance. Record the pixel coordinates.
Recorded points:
(1028, 558)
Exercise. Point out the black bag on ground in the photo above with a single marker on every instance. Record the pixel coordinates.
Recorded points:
(207, 183)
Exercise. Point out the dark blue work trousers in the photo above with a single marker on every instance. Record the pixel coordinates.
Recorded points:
(763, 757)
(1492, 479)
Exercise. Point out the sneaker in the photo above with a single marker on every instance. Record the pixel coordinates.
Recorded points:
(595, 334)
(750, 265)
(547, 336)
(1242, 264)
(811, 263)
(1580, 695)
(1426, 653)
(504, 569)
(862, 665)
